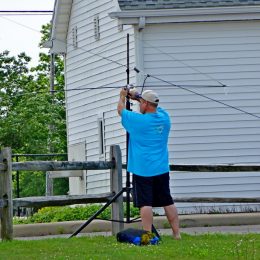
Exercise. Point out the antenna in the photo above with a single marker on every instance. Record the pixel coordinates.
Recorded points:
(127, 140)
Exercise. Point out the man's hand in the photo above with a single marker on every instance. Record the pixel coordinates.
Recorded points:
(123, 93)
(133, 94)
(121, 102)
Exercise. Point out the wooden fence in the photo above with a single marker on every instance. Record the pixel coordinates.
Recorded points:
(7, 202)
(114, 165)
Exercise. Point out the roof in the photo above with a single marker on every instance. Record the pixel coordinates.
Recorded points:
(177, 4)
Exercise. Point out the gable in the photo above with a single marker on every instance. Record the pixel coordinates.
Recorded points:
(177, 4)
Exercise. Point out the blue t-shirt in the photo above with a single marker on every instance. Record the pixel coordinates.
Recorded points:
(147, 151)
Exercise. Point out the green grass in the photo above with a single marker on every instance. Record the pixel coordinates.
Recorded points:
(209, 246)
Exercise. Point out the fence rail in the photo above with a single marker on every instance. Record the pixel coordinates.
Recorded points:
(114, 165)
(217, 200)
(31, 202)
(7, 202)
(216, 168)
(105, 165)
(58, 166)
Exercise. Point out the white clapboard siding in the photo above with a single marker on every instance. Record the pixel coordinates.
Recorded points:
(95, 64)
(214, 185)
(205, 131)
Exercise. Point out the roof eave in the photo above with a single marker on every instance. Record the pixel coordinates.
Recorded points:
(60, 24)
(188, 14)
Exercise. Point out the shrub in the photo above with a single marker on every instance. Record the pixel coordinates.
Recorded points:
(66, 213)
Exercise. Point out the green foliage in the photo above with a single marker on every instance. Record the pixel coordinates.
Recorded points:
(210, 246)
(58, 214)
(33, 120)
(32, 184)
(28, 109)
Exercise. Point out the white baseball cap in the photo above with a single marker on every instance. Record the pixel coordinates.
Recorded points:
(150, 96)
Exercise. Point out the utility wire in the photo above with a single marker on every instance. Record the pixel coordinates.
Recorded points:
(84, 88)
(147, 75)
(23, 14)
(23, 25)
(167, 82)
(26, 11)
(108, 59)
(204, 96)
(180, 61)
(92, 55)
(172, 84)
(167, 86)
(97, 54)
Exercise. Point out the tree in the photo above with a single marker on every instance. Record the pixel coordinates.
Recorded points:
(28, 109)
(32, 118)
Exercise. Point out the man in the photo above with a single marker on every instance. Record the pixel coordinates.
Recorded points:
(148, 157)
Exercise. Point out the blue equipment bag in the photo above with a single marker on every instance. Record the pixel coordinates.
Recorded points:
(137, 237)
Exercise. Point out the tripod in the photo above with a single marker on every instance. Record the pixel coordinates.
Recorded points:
(128, 220)
(126, 189)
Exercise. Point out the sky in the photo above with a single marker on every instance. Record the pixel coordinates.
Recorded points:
(22, 33)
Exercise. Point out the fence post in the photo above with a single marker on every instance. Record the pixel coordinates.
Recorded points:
(116, 186)
(48, 185)
(6, 194)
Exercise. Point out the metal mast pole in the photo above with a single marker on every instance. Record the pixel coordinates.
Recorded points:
(127, 141)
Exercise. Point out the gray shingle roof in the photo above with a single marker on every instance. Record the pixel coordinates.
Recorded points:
(174, 4)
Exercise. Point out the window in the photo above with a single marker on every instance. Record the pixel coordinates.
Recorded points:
(101, 135)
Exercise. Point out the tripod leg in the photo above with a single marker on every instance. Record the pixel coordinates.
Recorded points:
(128, 190)
(155, 232)
(97, 213)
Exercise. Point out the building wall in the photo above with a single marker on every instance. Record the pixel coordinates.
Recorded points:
(198, 57)
(96, 64)
(203, 131)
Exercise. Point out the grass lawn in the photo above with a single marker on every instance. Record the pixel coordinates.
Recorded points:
(210, 246)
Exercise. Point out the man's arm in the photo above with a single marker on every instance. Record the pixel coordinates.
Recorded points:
(121, 101)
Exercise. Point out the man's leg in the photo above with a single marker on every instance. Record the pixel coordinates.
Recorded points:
(173, 218)
(147, 217)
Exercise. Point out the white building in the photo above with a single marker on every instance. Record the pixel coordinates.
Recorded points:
(208, 50)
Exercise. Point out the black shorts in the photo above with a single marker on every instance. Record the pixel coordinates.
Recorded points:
(152, 191)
